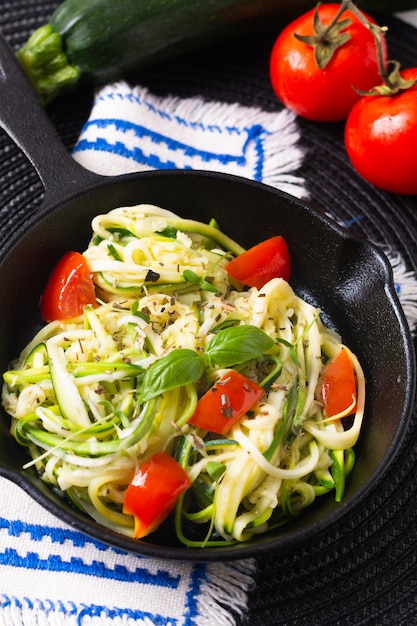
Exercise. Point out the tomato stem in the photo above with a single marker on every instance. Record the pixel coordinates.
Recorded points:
(392, 80)
(326, 39)
(338, 15)
(378, 32)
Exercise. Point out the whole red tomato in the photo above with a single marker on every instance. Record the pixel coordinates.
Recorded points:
(381, 138)
(324, 95)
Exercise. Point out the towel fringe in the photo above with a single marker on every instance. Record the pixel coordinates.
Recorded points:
(405, 282)
(224, 593)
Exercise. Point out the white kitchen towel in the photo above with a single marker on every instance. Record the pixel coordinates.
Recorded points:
(132, 130)
(53, 575)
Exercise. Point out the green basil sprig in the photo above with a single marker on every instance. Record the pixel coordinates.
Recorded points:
(230, 346)
(179, 367)
(237, 344)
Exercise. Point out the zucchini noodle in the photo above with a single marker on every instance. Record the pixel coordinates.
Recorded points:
(79, 403)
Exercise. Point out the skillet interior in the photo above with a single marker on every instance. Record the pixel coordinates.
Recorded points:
(348, 279)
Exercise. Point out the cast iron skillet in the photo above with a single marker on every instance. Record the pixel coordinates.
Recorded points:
(349, 279)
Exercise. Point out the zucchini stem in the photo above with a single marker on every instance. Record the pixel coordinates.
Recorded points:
(46, 65)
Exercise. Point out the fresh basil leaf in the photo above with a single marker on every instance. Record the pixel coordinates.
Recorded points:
(235, 345)
(178, 368)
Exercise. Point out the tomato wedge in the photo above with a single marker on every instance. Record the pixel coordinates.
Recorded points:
(69, 289)
(259, 264)
(224, 403)
(153, 491)
(339, 386)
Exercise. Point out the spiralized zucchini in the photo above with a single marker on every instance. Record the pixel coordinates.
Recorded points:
(75, 394)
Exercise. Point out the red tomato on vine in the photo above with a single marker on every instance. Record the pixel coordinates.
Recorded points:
(381, 136)
(319, 60)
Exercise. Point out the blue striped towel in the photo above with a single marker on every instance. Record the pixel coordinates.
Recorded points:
(133, 130)
(51, 574)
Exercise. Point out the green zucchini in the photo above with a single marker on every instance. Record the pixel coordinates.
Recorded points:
(106, 39)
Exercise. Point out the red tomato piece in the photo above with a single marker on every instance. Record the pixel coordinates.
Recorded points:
(256, 266)
(153, 491)
(381, 138)
(69, 289)
(339, 386)
(324, 95)
(226, 402)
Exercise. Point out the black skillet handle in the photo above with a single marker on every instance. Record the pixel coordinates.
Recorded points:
(27, 124)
